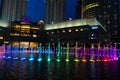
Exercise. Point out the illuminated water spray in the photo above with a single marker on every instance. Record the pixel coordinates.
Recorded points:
(76, 52)
(16, 50)
(119, 53)
(2, 51)
(115, 52)
(84, 54)
(49, 51)
(31, 54)
(8, 52)
(23, 53)
(58, 52)
(98, 52)
(67, 52)
(40, 52)
(92, 53)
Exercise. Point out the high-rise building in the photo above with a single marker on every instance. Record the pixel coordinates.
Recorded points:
(13, 10)
(55, 11)
(0, 8)
(106, 12)
(78, 10)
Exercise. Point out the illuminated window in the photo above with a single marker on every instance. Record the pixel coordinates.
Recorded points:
(70, 30)
(76, 30)
(52, 32)
(34, 35)
(47, 32)
(92, 5)
(63, 31)
(25, 28)
(94, 38)
(6, 42)
(95, 27)
(58, 32)
(81, 29)
(1, 37)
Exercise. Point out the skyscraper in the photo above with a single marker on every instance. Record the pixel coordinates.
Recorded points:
(0, 8)
(106, 12)
(55, 11)
(13, 10)
(78, 10)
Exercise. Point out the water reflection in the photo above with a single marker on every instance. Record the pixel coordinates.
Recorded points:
(39, 69)
(53, 70)
(67, 70)
(30, 73)
(93, 71)
(23, 69)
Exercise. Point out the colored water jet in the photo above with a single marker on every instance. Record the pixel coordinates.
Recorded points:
(2, 51)
(8, 52)
(98, 52)
(23, 53)
(84, 54)
(92, 53)
(40, 52)
(16, 50)
(67, 52)
(31, 54)
(115, 52)
(119, 53)
(58, 52)
(49, 51)
(76, 52)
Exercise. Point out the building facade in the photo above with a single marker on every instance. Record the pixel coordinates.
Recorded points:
(106, 12)
(13, 10)
(55, 11)
(22, 33)
(78, 10)
(83, 31)
(0, 8)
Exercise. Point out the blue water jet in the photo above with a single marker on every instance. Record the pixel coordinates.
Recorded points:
(31, 54)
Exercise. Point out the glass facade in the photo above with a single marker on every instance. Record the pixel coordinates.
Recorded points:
(13, 10)
(27, 34)
(106, 12)
(55, 11)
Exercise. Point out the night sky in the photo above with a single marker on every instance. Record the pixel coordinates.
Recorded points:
(36, 9)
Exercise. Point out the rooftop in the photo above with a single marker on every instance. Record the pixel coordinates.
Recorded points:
(78, 22)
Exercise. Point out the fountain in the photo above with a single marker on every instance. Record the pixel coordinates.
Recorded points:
(84, 54)
(31, 54)
(119, 53)
(58, 52)
(115, 52)
(97, 53)
(15, 52)
(76, 52)
(40, 52)
(8, 53)
(67, 52)
(92, 53)
(23, 53)
(2, 51)
(49, 51)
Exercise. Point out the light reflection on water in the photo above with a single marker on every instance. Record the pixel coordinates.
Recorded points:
(52, 70)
